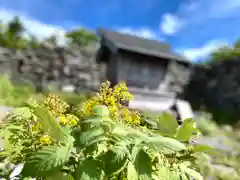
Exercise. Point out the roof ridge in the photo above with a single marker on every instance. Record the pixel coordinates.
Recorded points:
(131, 35)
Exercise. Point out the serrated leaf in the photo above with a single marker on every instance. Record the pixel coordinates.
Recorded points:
(93, 134)
(186, 130)
(167, 124)
(121, 148)
(166, 145)
(114, 163)
(143, 165)
(50, 125)
(89, 169)
(46, 161)
(190, 172)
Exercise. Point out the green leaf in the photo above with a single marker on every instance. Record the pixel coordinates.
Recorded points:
(186, 130)
(93, 135)
(114, 163)
(131, 172)
(143, 165)
(23, 112)
(89, 169)
(46, 161)
(101, 148)
(164, 173)
(101, 110)
(184, 176)
(190, 172)
(202, 148)
(95, 120)
(5, 134)
(60, 176)
(166, 145)
(50, 125)
(167, 124)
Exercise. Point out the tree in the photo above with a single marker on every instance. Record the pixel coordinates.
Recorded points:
(12, 35)
(225, 52)
(52, 40)
(15, 27)
(81, 37)
(221, 53)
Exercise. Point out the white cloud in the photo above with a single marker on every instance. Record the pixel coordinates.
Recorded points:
(33, 26)
(170, 24)
(197, 12)
(142, 32)
(203, 51)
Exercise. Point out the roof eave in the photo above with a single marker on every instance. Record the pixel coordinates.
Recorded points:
(113, 46)
(153, 53)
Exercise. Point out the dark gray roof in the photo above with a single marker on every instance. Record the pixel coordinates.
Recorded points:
(141, 45)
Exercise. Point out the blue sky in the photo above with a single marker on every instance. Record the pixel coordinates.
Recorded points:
(193, 27)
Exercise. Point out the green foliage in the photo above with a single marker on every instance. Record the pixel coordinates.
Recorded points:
(43, 137)
(225, 53)
(17, 95)
(72, 99)
(187, 129)
(81, 37)
(12, 36)
(12, 95)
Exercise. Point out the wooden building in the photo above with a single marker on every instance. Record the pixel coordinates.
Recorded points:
(141, 63)
(150, 68)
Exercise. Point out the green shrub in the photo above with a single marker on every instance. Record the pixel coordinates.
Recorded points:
(101, 140)
(16, 95)
(12, 95)
(73, 99)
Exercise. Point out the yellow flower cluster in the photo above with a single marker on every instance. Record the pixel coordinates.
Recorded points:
(68, 119)
(58, 108)
(113, 98)
(131, 117)
(55, 105)
(45, 140)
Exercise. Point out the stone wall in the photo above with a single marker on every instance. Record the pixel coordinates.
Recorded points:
(47, 66)
(216, 88)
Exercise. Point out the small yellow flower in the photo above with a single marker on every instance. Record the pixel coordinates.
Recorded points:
(63, 120)
(68, 120)
(131, 117)
(45, 139)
